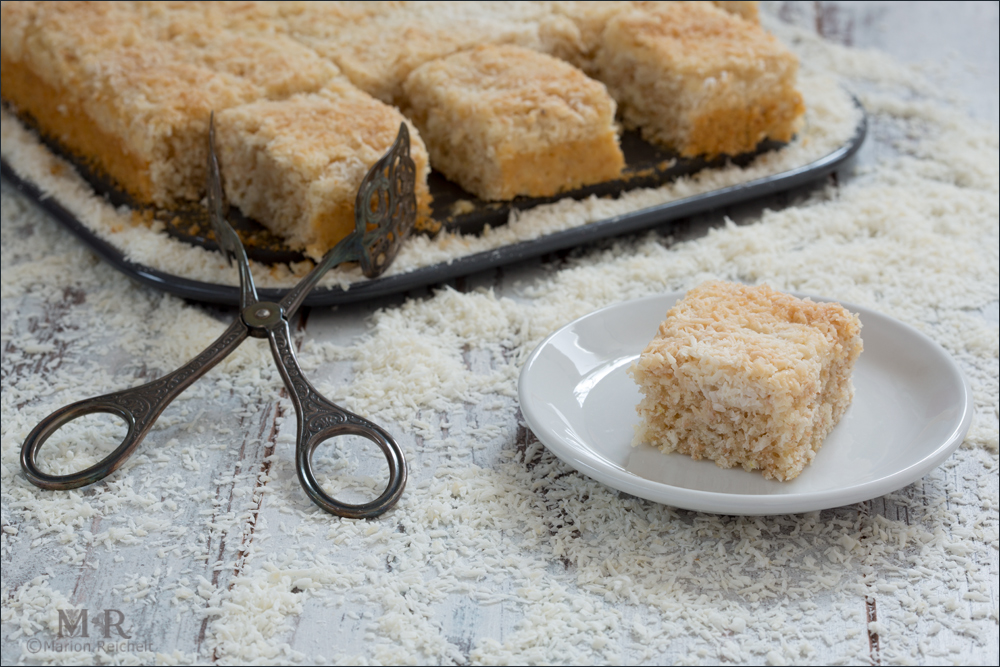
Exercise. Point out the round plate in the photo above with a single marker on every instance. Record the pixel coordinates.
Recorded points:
(912, 408)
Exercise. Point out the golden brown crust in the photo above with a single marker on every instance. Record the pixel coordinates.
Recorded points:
(504, 121)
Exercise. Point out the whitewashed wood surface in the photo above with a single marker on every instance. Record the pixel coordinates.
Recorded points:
(950, 35)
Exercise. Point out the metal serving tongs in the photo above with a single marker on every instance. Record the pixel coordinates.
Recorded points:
(385, 211)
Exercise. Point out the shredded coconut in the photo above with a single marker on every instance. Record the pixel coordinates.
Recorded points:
(498, 552)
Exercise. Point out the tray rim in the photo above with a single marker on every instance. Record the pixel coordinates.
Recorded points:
(627, 223)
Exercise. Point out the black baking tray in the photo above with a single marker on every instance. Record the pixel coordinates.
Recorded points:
(647, 166)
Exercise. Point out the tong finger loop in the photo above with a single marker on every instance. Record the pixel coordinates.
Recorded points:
(139, 407)
(351, 425)
(132, 412)
(318, 420)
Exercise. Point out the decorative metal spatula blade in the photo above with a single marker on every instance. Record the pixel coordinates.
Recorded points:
(384, 214)
(386, 207)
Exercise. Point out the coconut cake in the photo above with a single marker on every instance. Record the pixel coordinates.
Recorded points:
(747, 376)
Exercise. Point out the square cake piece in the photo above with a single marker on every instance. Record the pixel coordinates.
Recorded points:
(135, 114)
(698, 79)
(503, 121)
(747, 376)
(296, 164)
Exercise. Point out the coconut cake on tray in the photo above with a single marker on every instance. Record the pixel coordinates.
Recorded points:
(499, 552)
(832, 120)
(181, 37)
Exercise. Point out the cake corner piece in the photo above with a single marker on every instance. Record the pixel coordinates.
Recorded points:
(747, 376)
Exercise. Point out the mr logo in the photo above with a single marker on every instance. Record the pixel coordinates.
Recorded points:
(75, 623)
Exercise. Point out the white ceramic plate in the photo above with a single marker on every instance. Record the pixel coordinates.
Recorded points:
(912, 408)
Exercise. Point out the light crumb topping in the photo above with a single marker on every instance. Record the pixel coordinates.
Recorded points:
(757, 332)
(296, 164)
(699, 39)
(517, 93)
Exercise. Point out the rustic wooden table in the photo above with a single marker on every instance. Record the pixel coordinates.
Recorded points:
(202, 565)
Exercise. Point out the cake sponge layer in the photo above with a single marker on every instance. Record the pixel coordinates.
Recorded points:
(747, 376)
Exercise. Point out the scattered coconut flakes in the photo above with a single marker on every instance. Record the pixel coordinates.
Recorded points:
(498, 552)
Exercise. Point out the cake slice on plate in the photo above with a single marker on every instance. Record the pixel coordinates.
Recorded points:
(747, 376)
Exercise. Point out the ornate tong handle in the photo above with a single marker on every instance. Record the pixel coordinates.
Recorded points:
(139, 407)
(319, 419)
(384, 213)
